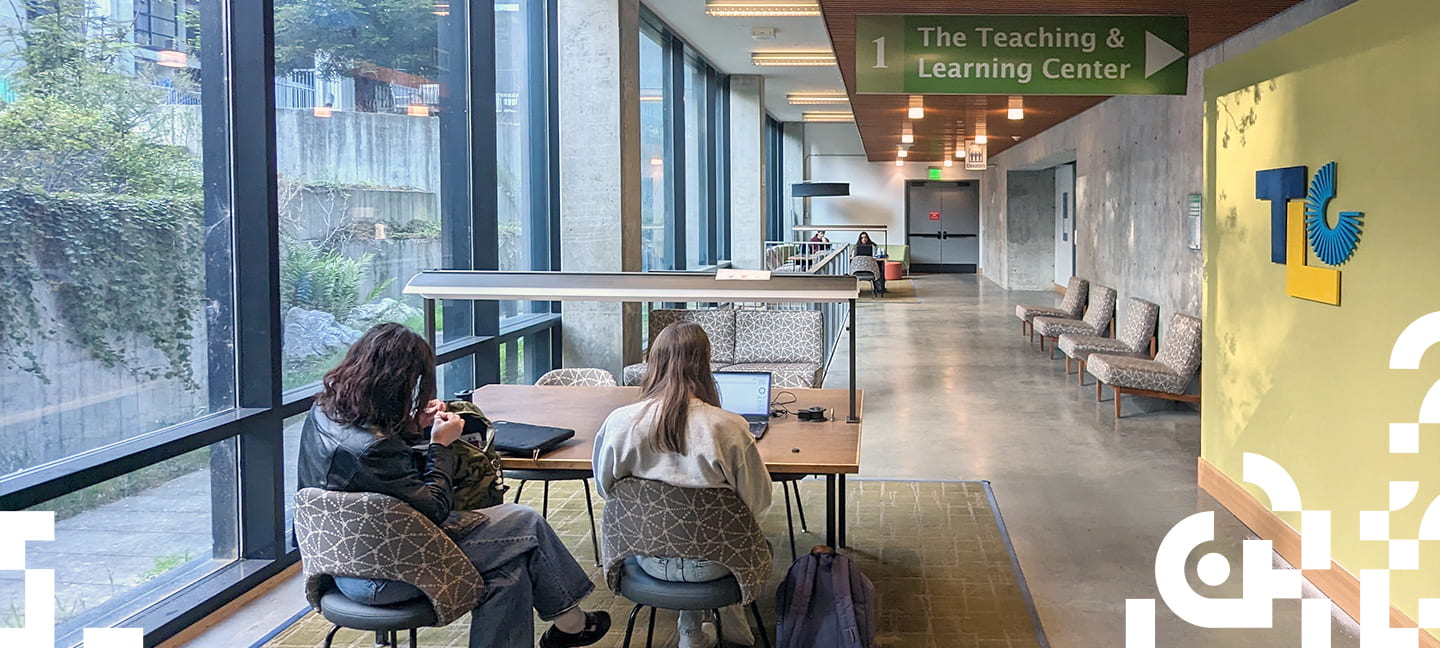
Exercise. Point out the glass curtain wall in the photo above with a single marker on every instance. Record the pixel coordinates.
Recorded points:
(684, 154)
(160, 348)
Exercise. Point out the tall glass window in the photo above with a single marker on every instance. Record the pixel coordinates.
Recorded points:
(522, 144)
(697, 166)
(114, 238)
(653, 196)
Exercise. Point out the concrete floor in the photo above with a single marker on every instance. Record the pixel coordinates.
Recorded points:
(952, 391)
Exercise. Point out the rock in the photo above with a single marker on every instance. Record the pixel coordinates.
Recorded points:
(314, 333)
(364, 316)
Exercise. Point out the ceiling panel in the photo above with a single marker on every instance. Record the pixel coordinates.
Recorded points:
(880, 118)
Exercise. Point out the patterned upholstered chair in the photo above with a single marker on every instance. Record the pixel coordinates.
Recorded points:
(1072, 306)
(368, 535)
(867, 268)
(788, 344)
(569, 377)
(1136, 338)
(577, 377)
(1099, 319)
(651, 518)
(1166, 376)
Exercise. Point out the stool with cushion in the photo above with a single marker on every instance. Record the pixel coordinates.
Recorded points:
(866, 268)
(1071, 306)
(1166, 376)
(374, 536)
(1136, 338)
(576, 377)
(651, 518)
(1099, 319)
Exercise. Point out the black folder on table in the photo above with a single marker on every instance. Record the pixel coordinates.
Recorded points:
(527, 440)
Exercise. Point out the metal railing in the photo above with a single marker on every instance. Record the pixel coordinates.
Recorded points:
(830, 259)
(295, 90)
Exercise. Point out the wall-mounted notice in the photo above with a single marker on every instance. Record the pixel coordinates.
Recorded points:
(1036, 55)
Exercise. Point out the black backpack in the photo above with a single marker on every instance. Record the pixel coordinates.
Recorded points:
(825, 602)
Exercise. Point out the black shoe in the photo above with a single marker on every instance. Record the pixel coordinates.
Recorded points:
(596, 625)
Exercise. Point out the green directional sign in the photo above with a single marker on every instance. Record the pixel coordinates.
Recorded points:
(995, 54)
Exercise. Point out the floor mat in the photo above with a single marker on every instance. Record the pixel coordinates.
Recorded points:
(897, 291)
(944, 572)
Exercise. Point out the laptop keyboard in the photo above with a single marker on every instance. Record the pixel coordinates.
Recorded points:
(757, 428)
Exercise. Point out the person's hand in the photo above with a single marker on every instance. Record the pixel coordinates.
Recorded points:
(427, 416)
(447, 428)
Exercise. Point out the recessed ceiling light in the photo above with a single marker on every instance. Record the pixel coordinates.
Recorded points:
(816, 98)
(1017, 108)
(793, 59)
(917, 107)
(836, 116)
(761, 9)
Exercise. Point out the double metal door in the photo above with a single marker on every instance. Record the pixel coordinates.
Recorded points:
(944, 226)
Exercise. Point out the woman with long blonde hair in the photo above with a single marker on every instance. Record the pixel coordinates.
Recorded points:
(677, 434)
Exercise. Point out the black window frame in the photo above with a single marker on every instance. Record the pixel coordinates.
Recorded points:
(243, 279)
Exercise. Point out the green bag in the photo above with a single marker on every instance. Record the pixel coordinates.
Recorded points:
(478, 481)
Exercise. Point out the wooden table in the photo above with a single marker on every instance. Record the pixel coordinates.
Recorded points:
(831, 448)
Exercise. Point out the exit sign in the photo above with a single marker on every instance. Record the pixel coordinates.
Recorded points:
(934, 173)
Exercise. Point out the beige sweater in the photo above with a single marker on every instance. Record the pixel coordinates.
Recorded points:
(721, 453)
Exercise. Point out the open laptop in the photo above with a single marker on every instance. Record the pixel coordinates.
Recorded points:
(747, 394)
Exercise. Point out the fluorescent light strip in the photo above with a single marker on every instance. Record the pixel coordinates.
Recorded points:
(816, 98)
(792, 59)
(828, 116)
(761, 10)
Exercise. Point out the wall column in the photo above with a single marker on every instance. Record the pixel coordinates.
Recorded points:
(747, 170)
(793, 158)
(1030, 230)
(599, 122)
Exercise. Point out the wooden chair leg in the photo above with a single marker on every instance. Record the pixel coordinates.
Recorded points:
(1080, 371)
(1117, 401)
(1052, 348)
(1098, 393)
(1067, 365)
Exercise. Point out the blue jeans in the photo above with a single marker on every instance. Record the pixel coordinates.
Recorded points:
(691, 570)
(525, 566)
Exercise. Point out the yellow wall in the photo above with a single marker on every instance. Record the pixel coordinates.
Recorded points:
(1308, 384)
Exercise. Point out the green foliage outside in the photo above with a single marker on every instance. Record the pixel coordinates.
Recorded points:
(316, 279)
(93, 209)
(351, 37)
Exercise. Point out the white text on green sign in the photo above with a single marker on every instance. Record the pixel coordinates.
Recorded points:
(993, 54)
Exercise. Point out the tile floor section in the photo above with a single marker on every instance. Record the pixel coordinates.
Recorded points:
(942, 572)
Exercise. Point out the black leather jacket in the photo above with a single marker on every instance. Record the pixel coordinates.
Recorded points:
(349, 458)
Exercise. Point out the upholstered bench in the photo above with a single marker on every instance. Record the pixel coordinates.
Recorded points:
(1166, 376)
(788, 344)
(1099, 317)
(1071, 306)
(1137, 338)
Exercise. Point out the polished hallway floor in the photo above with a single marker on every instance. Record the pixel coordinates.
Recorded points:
(953, 391)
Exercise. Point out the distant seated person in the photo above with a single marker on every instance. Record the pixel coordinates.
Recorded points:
(819, 238)
(864, 247)
(358, 437)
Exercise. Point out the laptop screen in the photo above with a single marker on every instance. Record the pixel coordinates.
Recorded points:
(744, 393)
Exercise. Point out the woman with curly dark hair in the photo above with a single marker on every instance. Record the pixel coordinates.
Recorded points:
(358, 437)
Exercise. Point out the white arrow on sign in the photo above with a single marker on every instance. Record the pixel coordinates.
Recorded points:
(1158, 54)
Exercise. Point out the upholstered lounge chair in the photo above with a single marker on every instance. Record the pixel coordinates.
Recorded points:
(1072, 306)
(1137, 338)
(788, 344)
(1099, 319)
(1166, 376)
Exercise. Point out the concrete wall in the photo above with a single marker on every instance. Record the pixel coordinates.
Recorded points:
(794, 162)
(406, 150)
(833, 152)
(1029, 226)
(1137, 159)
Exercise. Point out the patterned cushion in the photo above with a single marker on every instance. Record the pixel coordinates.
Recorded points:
(1076, 291)
(1180, 351)
(577, 377)
(719, 325)
(1101, 309)
(779, 336)
(369, 535)
(792, 375)
(1081, 346)
(1029, 312)
(1139, 326)
(1058, 326)
(1136, 373)
(635, 373)
(651, 518)
(865, 264)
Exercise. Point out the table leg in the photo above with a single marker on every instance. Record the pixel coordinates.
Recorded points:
(840, 512)
(830, 511)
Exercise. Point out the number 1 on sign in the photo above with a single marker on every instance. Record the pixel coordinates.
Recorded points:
(880, 53)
